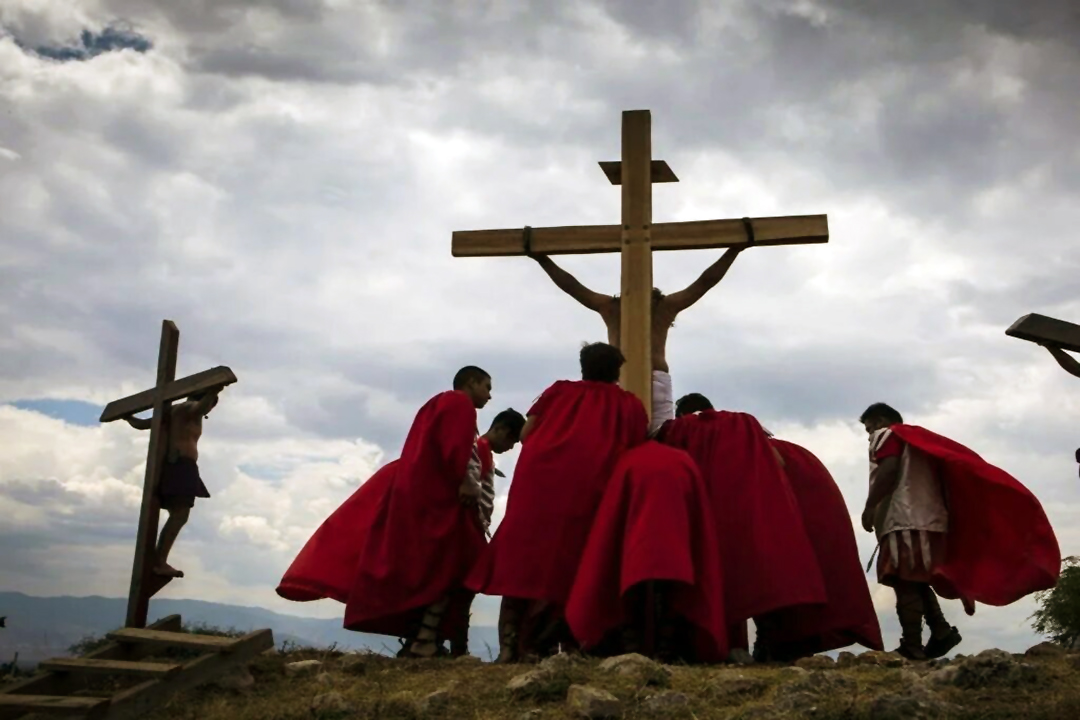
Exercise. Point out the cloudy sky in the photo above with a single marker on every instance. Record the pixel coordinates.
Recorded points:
(281, 179)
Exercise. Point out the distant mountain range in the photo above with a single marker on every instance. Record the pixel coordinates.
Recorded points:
(41, 628)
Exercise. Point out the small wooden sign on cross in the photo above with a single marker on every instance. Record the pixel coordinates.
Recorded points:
(635, 238)
(144, 583)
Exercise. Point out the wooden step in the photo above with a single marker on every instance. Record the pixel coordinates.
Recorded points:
(189, 641)
(109, 667)
(54, 704)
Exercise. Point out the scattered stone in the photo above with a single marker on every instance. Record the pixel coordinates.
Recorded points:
(792, 673)
(666, 703)
(995, 667)
(738, 656)
(803, 703)
(882, 659)
(468, 660)
(1046, 650)
(646, 671)
(592, 703)
(915, 704)
(436, 702)
(737, 689)
(238, 680)
(907, 677)
(942, 677)
(325, 679)
(352, 664)
(560, 662)
(331, 703)
(303, 667)
(816, 662)
(847, 659)
(539, 685)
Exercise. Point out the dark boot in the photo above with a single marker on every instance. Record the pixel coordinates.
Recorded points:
(909, 608)
(509, 624)
(427, 643)
(943, 636)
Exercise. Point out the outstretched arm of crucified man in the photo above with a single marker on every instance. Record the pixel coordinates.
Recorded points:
(1064, 359)
(138, 423)
(713, 274)
(570, 284)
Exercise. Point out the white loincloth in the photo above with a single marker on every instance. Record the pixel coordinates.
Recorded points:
(663, 401)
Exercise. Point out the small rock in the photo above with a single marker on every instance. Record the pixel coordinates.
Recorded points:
(738, 656)
(325, 679)
(539, 685)
(238, 679)
(802, 703)
(816, 662)
(666, 703)
(918, 704)
(468, 660)
(792, 673)
(647, 672)
(994, 654)
(330, 703)
(352, 664)
(846, 659)
(1046, 650)
(907, 677)
(736, 690)
(437, 701)
(560, 662)
(943, 677)
(883, 659)
(593, 703)
(303, 667)
(995, 667)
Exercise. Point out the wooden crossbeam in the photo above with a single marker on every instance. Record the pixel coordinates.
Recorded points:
(109, 667)
(659, 172)
(205, 380)
(189, 641)
(1046, 330)
(693, 235)
(89, 707)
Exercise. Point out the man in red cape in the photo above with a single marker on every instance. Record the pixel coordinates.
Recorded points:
(573, 436)
(326, 566)
(407, 580)
(768, 562)
(949, 524)
(849, 617)
(651, 567)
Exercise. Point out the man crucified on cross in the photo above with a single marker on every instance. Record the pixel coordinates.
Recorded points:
(180, 481)
(665, 308)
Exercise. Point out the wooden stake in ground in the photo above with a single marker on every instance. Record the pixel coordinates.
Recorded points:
(636, 238)
(144, 583)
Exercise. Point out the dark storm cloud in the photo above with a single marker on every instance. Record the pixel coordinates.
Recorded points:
(90, 44)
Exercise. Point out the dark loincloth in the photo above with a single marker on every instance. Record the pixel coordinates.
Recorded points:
(180, 484)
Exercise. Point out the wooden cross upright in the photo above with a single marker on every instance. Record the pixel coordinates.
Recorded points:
(1046, 331)
(144, 583)
(636, 238)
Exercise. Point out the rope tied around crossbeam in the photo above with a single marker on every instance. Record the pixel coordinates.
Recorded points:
(527, 240)
(749, 227)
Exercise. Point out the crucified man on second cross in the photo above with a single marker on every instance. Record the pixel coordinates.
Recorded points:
(664, 310)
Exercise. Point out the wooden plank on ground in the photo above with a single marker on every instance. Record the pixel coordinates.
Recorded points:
(49, 683)
(136, 702)
(188, 641)
(214, 377)
(54, 705)
(1042, 329)
(109, 667)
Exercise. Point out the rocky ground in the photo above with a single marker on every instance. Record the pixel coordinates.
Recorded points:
(1043, 683)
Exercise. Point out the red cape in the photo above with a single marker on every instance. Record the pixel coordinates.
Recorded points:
(420, 548)
(767, 560)
(654, 523)
(1000, 546)
(581, 428)
(326, 566)
(849, 616)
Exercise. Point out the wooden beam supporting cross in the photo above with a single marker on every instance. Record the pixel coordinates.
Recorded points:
(144, 583)
(635, 239)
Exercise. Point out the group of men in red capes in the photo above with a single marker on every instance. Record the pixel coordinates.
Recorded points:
(616, 542)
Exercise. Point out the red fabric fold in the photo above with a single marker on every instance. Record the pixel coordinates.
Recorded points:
(326, 566)
(1000, 545)
(581, 428)
(654, 523)
(849, 617)
(421, 547)
(768, 562)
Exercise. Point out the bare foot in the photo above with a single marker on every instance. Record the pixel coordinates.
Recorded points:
(167, 570)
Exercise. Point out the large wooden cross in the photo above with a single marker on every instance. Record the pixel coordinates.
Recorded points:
(144, 583)
(636, 238)
(1046, 331)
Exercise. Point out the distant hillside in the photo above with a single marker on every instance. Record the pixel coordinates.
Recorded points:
(40, 628)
